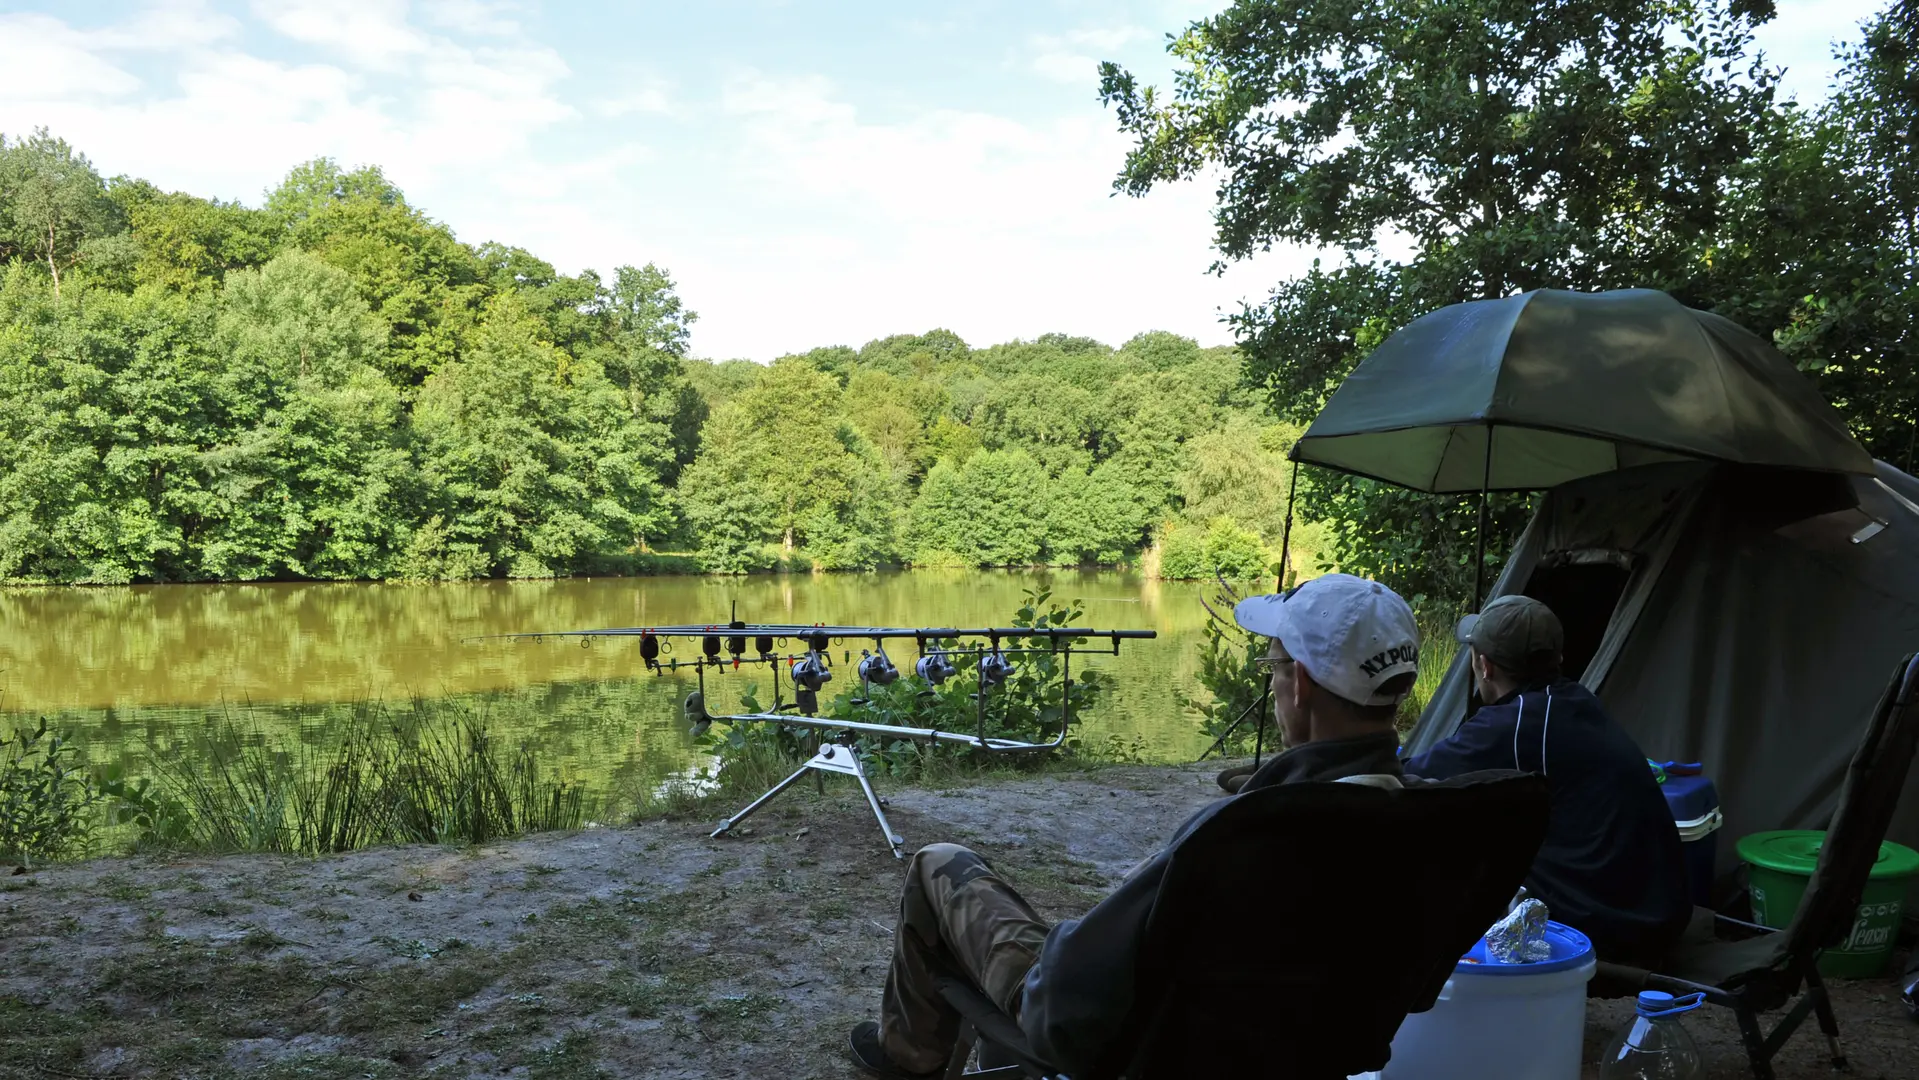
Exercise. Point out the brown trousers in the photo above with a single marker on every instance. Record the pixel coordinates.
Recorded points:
(957, 916)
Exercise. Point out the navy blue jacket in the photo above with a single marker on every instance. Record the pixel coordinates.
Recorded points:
(1080, 992)
(1611, 866)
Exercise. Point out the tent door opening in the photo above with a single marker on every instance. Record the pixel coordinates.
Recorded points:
(1583, 588)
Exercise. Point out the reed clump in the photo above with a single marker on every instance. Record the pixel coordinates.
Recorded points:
(431, 774)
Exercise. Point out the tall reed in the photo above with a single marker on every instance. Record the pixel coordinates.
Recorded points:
(430, 775)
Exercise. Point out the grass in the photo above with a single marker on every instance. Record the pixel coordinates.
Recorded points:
(425, 775)
(1437, 649)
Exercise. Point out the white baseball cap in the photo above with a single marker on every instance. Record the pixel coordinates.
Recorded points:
(1353, 635)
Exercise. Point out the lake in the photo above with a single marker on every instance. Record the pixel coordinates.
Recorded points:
(126, 669)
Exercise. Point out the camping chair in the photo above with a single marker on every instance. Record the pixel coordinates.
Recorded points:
(1298, 926)
(1755, 969)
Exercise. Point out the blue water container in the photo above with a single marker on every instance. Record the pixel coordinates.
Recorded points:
(1694, 803)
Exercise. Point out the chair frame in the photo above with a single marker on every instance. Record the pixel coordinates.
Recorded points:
(1748, 1001)
(1877, 766)
(985, 1026)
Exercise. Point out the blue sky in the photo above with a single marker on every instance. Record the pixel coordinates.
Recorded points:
(811, 173)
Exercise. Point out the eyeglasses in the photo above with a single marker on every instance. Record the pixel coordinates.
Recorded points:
(1267, 663)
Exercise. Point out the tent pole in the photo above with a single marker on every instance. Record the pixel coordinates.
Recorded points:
(1286, 534)
(1479, 545)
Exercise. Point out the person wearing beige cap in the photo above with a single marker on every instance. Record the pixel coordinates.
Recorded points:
(1611, 866)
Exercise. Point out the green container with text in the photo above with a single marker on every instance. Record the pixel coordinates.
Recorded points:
(1781, 865)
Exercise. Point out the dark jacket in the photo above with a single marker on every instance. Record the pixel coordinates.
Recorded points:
(1080, 991)
(1611, 866)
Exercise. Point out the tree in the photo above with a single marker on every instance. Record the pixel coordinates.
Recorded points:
(987, 512)
(540, 464)
(313, 475)
(426, 285)
(780, 463)
(54, 206)
(1581, 144)
(187, 243)
(102, 399)
(1822, 243)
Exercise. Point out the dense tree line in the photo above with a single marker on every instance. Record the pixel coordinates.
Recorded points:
(1478, 149)
(331, 385)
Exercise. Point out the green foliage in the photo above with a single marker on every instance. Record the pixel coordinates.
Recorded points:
(1520, 146)
(47, 801)
(539, 459)
(423, 777)
(781, 464)
(1229, 672)
(989, 511)
(1223, 548)
(54, 208)
(333, 386)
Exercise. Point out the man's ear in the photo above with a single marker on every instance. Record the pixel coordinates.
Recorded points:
(1303, 687)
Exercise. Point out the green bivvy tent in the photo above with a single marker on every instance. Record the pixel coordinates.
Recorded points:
(1736, 575)
(1746, 618)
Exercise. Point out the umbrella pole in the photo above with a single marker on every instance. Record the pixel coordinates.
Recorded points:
(1479, 544)
(1286, 534)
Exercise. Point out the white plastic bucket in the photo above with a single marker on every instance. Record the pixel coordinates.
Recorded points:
(1498, 1021)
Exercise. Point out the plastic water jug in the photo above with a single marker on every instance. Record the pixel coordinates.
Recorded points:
(1654, 1045)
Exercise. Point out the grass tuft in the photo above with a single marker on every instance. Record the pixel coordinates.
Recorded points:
(420, 777)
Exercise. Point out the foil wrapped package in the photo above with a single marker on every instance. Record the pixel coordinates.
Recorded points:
(1520, 937)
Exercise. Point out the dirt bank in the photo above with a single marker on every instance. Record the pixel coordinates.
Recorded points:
(642, 951)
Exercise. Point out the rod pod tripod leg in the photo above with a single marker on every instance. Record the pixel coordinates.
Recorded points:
(835, 757)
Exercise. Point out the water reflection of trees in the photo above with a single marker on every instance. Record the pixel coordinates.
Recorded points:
(128, 663)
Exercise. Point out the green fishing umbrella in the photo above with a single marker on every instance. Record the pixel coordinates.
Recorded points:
(1527, 392)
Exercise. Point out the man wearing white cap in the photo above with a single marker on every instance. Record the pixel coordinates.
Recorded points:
(1349, 643)
(1343, 653)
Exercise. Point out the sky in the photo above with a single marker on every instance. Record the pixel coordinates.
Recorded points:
(809, 173)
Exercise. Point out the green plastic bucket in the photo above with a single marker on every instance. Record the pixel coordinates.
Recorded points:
(1782, 863)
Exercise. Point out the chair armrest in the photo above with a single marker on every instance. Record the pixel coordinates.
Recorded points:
(1612, 980)
(992, 1024)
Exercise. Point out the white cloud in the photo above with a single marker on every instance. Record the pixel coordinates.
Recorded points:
(472, 16)
(792, 213)
(1074, 57)
(43, 59)
(651, 98)
(368, 33)
(990, 226)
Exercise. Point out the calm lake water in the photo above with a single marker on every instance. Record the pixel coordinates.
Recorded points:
(128, 669)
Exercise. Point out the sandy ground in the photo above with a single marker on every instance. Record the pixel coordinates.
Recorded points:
(643, 951)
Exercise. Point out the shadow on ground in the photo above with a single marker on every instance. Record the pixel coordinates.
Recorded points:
(649, 951)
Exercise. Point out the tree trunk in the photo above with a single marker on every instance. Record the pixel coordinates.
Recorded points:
(53, 264)
(787, 544)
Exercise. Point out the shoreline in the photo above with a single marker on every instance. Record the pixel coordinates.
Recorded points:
(643, 950)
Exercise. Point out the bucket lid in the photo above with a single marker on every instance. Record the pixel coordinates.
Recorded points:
(1570, 949)
(1796, 851)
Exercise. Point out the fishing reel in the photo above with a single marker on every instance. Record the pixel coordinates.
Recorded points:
(935, 667)
(877, 667)
(994, 668)
(694, 707)
(810, 671)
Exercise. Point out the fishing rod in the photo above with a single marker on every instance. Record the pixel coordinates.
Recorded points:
(724, 646)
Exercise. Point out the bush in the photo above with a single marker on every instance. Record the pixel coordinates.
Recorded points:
(47, 803)
(1230, 673)
(1223, 549)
